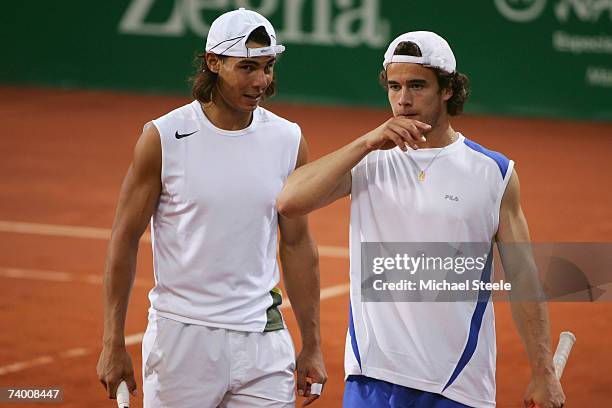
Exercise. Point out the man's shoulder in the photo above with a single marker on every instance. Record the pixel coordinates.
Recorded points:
(479, 152)
(269, 117)
(182, 112)
(183, 119)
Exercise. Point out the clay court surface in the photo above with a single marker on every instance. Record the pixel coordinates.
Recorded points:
(64, 155)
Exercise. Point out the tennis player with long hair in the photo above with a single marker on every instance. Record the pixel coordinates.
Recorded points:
(207, 175)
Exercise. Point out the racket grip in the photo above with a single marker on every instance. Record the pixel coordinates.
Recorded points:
(123, 395)
(566, 342)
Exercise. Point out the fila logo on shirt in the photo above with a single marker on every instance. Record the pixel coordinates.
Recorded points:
(451, 197)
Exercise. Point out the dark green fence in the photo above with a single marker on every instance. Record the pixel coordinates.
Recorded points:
(525, 57)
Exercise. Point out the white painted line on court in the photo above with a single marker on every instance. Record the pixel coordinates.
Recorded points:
(15, 367)
(75, 352)
(53, 276)
(133, 339)
(50, 276)
(333, 291)
(54, 230)
(104, 234)
(333, 251)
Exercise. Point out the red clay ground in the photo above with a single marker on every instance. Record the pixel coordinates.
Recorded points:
(66, 152)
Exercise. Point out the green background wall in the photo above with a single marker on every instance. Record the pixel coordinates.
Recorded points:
(524, 57)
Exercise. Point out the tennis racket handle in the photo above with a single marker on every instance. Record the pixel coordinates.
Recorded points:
(123, 395)
(566, 342)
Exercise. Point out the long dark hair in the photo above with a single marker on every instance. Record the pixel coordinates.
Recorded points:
(204, 80)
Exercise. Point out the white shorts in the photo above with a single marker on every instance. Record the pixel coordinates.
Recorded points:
(186, 365)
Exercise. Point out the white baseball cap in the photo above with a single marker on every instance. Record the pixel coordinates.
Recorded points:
(435, 51)
(228, 35)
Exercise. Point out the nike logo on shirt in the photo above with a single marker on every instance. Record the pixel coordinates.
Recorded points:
(180, 136)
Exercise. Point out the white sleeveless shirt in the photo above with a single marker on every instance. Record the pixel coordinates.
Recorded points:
(446, 348)
(214, 233)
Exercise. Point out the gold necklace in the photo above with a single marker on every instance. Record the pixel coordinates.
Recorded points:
(421, 175)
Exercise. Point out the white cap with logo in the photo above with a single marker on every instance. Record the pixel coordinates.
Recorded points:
(435, 51)
(228, 35)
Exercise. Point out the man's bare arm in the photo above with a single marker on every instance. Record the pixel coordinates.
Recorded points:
(327, 179)
(300, 260)
(137, 201)
(529, 314)
(319, 183)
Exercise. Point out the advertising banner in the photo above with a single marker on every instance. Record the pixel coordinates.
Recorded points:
(528, 57)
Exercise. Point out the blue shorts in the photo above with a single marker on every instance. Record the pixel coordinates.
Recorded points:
(364, 392)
